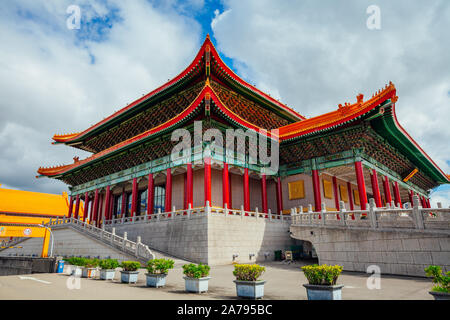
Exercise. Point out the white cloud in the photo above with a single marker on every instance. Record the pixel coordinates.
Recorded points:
(49, 85)
(315, 55)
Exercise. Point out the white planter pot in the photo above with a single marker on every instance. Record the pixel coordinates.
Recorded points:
(196, 285)
(107, 274)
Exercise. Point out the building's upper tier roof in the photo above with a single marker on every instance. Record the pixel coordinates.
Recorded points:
(206, 59)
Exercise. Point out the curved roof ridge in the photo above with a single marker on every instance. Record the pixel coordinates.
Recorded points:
(339, 116)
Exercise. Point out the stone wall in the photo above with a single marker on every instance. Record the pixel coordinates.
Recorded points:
(212, 239)
(395, 252)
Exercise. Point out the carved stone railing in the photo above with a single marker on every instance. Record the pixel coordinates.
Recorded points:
(195, 212)
(417, 218)
(137, 249)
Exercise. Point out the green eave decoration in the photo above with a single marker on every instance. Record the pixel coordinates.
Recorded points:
(386, 127)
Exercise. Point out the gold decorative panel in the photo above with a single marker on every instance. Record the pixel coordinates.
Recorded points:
(356, 197)
(296, 190)
(327, 189)
(343, 192)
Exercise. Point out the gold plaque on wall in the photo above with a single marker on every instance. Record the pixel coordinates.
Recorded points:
(296, 190)
(343, 192)
(327, 189)
(356, 197)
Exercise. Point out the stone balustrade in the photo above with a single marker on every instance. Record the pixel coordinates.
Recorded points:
(138, 249)
(414, 217)
(192, 212)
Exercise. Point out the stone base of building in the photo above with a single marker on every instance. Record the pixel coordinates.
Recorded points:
(214, 239)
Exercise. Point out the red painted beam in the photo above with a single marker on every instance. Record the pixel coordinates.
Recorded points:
(376, 188)
(397, 198)
(246, 191)
(279, 196)
(168, 198)
(225, 186)
(77, 207)
(95, 207)
(264, 193)
(350, 196)
(336, 194)
(190, 185)
(107, 202)
(134, 195)
(316, 189)
(207, 181)
(387, 190)
(70, 207)
(361, 185)
(86, 206)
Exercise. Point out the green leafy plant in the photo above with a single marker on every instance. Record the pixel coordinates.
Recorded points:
(196, 271)
(108, 264)
(441, 280)
(159, 266)
(248, 272)
(77, 261)
(92, 263)
(322, 275)
(130, 265)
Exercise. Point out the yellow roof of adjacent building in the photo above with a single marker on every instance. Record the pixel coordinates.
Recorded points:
(33, 203)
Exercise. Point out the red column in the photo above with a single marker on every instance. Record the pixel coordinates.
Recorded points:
(95, 207)
(100, 218)
(350, 198)
(124, 203)
(107, 203)
(185, 192)
(422, 201)
(411, 197)
(246, 191)
(190, 185)
(376, 188)
(111, 206)
(264, 193)
(86, 206)
(168, 199)
(428, 203)
(70, 207)
(207, 180)
(397, 198)
(336, 195)
(279, 196)
(230, 190)
(316, 189)
(361, 185)
(387, 190)
(225, 186)
(150, 194)
(134, 195)
(77, 207)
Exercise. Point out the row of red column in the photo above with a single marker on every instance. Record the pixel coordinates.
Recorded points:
(227, 190)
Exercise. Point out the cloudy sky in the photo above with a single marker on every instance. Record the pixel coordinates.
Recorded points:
(312, 55)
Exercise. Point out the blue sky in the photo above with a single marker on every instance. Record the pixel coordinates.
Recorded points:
(312, 55)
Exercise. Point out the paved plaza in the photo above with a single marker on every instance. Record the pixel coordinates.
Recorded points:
(283, 282)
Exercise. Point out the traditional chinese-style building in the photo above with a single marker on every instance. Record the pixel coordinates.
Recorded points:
(351, 154)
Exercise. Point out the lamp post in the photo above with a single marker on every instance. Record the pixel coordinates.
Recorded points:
(51, 236)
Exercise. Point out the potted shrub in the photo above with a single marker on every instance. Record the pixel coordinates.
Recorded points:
(78, 264)
(247, 283)
(89, 268)
(196, 279)
(157, 272)
(441, 290)
(322, 282)
(108, 268)
(130, 272)
(68, 266)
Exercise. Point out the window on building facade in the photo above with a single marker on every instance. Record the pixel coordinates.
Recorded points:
(141, 202)
(117, 206)
(160, 196)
